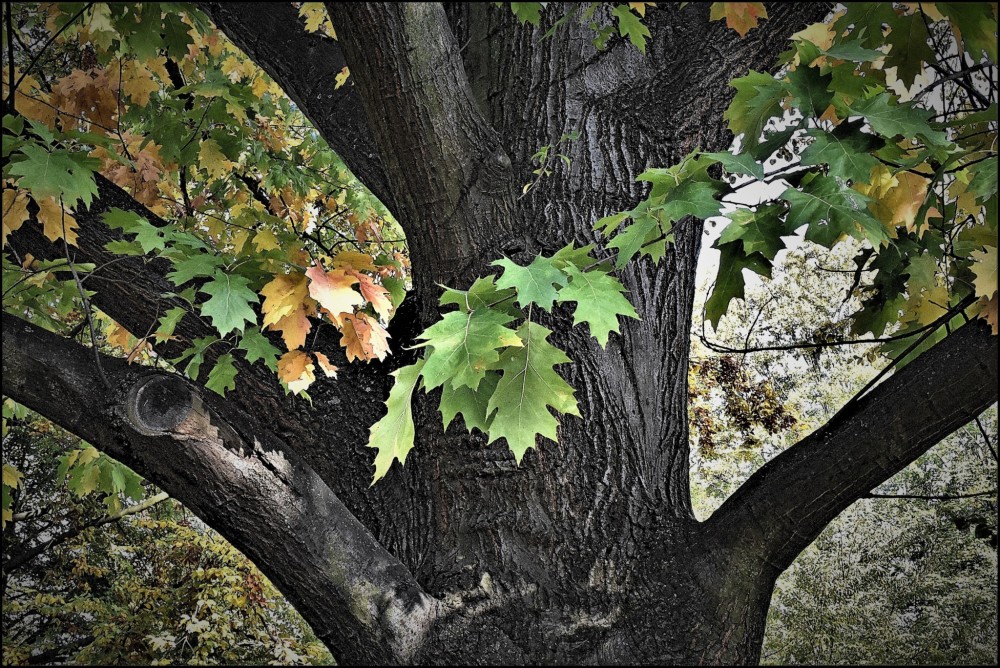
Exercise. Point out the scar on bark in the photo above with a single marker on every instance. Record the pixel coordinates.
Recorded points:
(162, 405)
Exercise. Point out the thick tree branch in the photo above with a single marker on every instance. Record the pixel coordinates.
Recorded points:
(784, 505)
(306, 65)
(455, 191)
(238, 478)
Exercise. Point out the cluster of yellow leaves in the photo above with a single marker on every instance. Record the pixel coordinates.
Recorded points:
(57, 222)
(290, 299)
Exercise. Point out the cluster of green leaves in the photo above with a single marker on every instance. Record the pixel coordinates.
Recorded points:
(151, 587)
(875, 133)
(494, 364)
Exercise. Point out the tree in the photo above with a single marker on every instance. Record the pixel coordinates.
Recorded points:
(584, 548)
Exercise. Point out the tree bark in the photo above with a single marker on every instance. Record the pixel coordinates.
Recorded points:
(588, 551)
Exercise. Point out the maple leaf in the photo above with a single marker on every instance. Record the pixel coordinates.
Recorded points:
(740, 16)
(393, 435)
(363, 337)
(257, 347)
(229, 306)
(463, 346)
(324, 363)
(213, 160)
(985, 268)
(296, 370)
(599, 301)
(470, 404)
(729, 282)
(287, 307)
(59, 174)
(57, 222)
(138, 82)
(333, 291)
(15, 211)
(832, 211)
(377, 295)
(535, 283)
(529, 385)
(222, 377)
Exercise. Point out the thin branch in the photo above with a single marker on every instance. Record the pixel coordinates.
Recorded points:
(931, 497)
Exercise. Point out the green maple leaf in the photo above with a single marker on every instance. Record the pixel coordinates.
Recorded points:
(257, 347)
(976, 25)
(535, 284)
(484, 293)
(222, 377)
(229, 306)
(471, 404)
(831, 210)
(147, 236)
(760, 230)
(640, 235)
(570, 255)
(528, 12)
(865, 19)
(196, 353)
(530, 384)
(58, 173)
(169, 322)
(193, 266)
(729, 283)
(893, 120)
(847, 151)
(393, 435)
(742, 163)
(463, 346)
(599, 301)
(758, 99)
(810, 90)
(631, 26)
(910, 49)
(692, 198)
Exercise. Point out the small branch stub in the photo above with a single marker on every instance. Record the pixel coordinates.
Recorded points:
(156, 404)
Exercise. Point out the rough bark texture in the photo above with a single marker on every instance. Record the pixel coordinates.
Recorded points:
(588, 551)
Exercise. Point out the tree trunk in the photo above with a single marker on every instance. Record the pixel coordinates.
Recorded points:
(588, 551)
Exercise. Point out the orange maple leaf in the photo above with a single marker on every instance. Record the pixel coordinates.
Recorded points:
(364, 338)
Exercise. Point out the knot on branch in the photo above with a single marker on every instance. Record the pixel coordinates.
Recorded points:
(157, 404)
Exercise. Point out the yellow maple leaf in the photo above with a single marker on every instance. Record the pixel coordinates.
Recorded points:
(296, 370)
(342, 77)
(895, 198)
(928, 307)
(354, 260)
(640, 7)
(324, 363)
(15, 211)
(985, 268)
(212, 160)
(57, 222)
(333, 291)
(740, 16)
(287, 307)
(988, 311)
(265, 240)
(138, 83)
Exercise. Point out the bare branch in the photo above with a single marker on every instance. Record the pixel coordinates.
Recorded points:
(783, 506)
